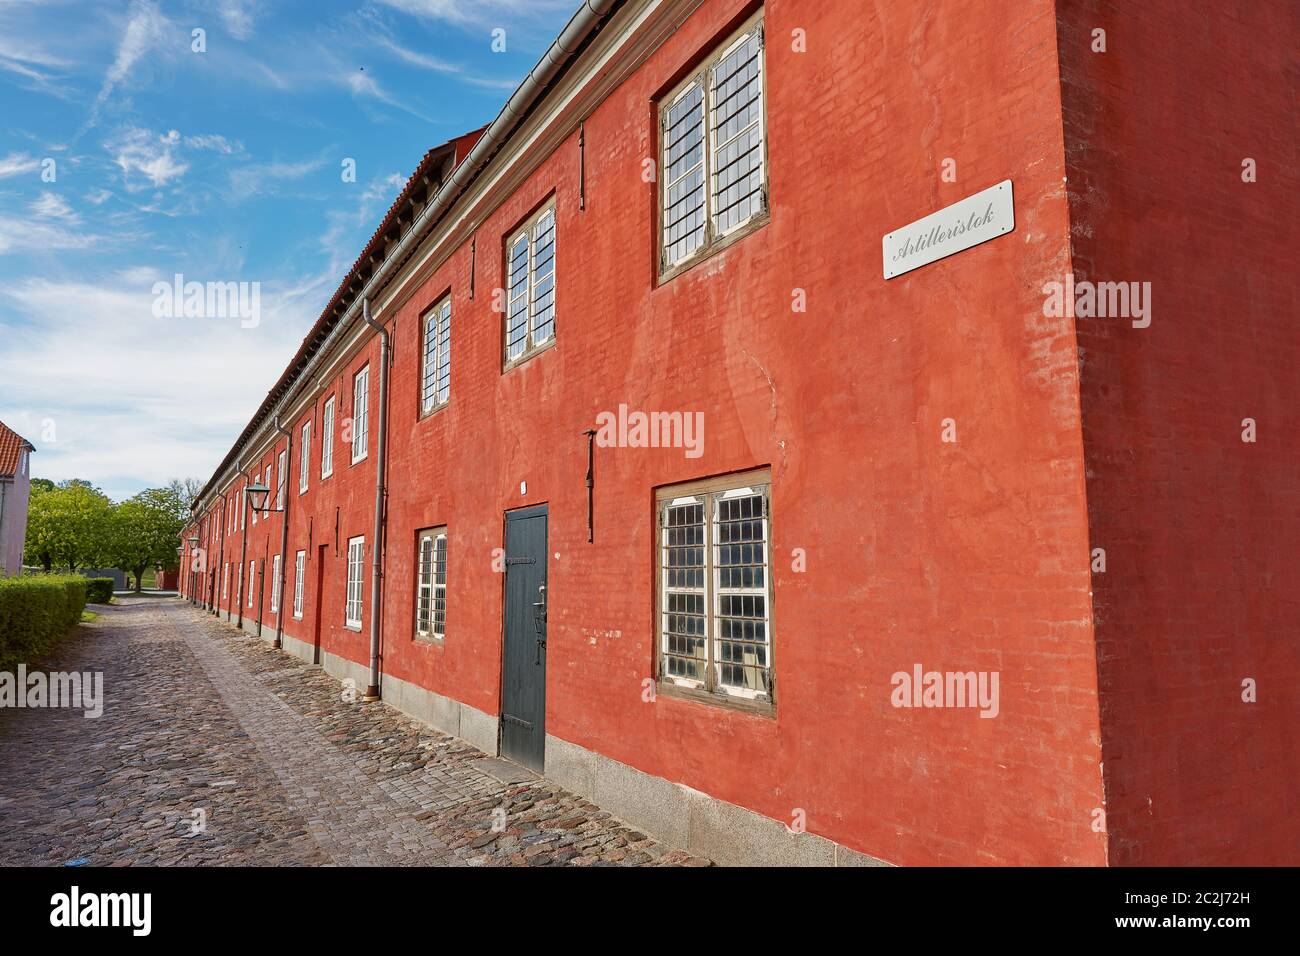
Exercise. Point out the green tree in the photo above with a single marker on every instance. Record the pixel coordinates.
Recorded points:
(144, 530)
(67, 525)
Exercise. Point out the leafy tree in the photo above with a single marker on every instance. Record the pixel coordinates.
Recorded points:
(144, 530)
(67, 524)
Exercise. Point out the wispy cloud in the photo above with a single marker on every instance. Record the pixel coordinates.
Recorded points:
(138, 151)
(435, 65)
(27, 234)
(144, 30)
(20, 53)
(50, 205)
(237, 17)
(478, 12)
(348, 228)
(259, 178)
(16, 164)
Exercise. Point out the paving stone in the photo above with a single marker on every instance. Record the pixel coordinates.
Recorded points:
(200, 716)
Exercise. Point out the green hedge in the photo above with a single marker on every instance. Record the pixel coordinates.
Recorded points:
(35, 611)
(99, 590)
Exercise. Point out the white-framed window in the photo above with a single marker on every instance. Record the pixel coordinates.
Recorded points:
(530, 286)
(299, 569)
(304, 461)
(225, 580)
(243, 510)
(715, 589)
(431, 584)
(435, 381)
(713, 155)
(275, 585)
(360, 414)
(356, 567)
(327, 440)
(252, 567)
(282, 479)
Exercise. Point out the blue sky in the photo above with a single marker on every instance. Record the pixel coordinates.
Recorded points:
(127, 157)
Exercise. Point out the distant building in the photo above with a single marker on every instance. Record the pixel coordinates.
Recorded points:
(15, 489)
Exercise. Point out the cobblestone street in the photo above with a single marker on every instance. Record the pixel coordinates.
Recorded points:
(280, 767)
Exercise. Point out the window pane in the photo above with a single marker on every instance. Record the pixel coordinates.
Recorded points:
(543, 314)
(440, 586)
(356, 558)
(360, 413)
(683, 624)
(735, 120)
(327, 440)
(517, 307)
(683, 212)
(740, 569)
(424, 587)
(304, 457)
(443, 379)
(430, 359)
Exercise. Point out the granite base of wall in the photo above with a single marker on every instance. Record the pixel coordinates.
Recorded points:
(688, 819)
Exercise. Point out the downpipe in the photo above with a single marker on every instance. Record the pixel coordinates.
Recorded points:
(244, 583)
(284, 531)
(221, 562)
(381, 454)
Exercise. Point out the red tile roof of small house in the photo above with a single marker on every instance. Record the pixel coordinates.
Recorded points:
(11, 450)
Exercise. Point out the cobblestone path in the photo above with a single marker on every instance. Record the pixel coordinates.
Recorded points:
(215, 749)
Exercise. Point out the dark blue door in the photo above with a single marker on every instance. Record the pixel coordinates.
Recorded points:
(523, 677)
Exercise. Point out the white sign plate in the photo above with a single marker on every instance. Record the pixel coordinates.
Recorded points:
(975, 219)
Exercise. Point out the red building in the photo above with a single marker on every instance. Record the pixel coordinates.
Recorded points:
(785, 557)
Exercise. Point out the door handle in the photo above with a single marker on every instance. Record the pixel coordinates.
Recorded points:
(539, 621)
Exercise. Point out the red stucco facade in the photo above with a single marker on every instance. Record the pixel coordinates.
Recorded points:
(965, 555)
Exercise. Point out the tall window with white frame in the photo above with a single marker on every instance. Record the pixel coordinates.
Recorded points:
(283, 480)
(356, 565)
(299, 568)
(530, 286)
(360, 414)
(225, 580)
(304, 458)
(435, 380)
(327, 439)
(275, 585)
(715, 589)
(712, 128)
(431, 584)
(252, 566)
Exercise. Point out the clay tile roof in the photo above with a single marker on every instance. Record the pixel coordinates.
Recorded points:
(11, 447)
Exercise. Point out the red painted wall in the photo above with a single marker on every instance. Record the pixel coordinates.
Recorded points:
(1202, 585)
(965, 556)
